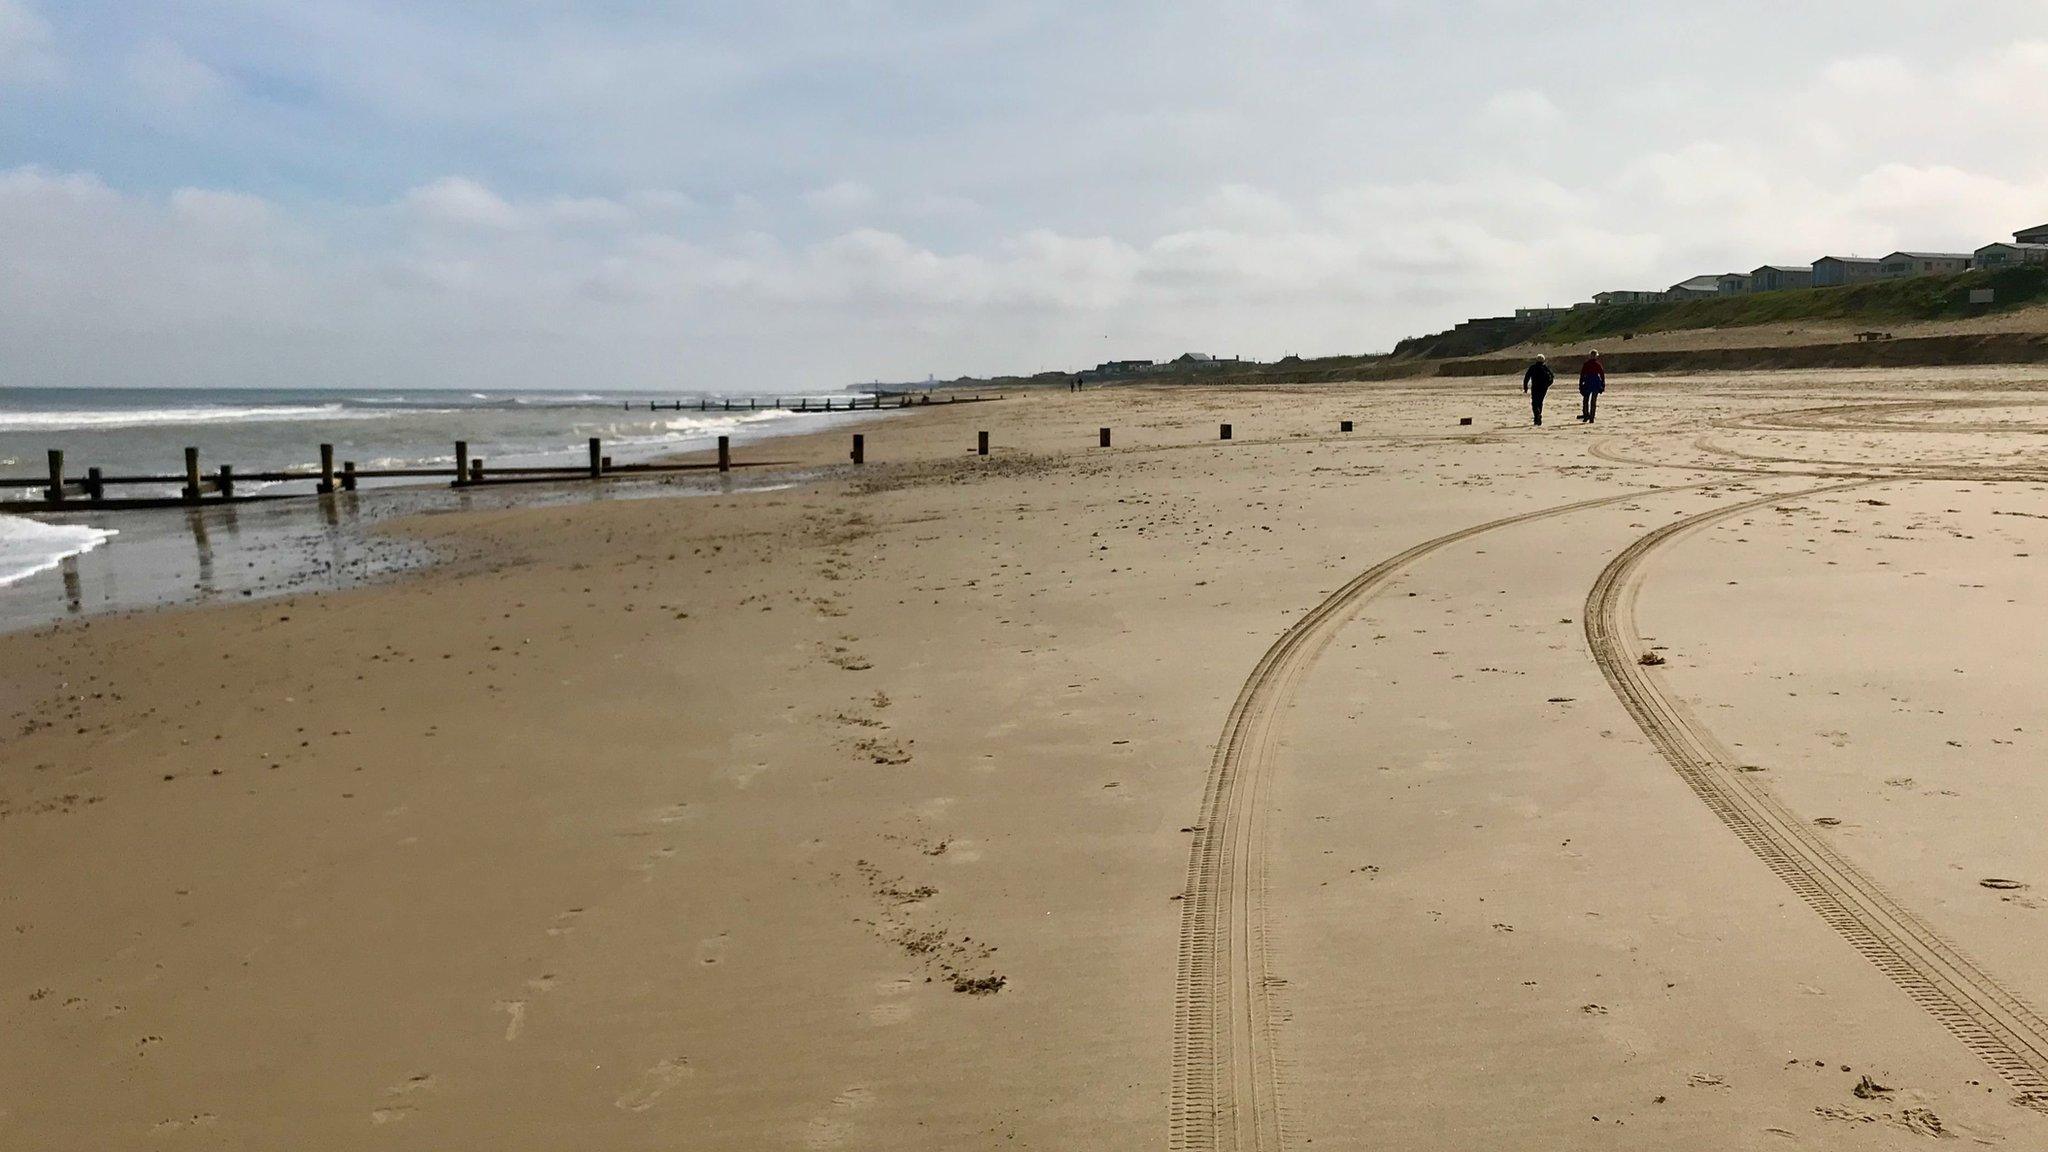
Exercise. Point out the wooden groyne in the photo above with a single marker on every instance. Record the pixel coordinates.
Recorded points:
(804, 406)
(63, 492)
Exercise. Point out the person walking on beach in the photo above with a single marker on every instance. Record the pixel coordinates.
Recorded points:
(1536, 381)
(1592, 382)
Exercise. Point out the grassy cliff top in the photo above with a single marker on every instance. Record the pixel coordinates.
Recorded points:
(1872, 301)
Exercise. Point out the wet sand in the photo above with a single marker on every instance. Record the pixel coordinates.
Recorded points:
(887, 810)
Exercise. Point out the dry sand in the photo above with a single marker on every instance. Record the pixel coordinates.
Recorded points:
(861, 814)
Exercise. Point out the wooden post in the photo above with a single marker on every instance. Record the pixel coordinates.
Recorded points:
(192, 475)
(56, 492)
(1464, 420)
(1344, 427)
(227, 482)
(1102, 437)
(461, 463)
(476, 470)
(606, 463)
(1223, 433)
(860, 449)
(348, 475)
(94, 489)
(326, 469)
(596, 457)
(803, 404)
(725, 453)
(981, 444)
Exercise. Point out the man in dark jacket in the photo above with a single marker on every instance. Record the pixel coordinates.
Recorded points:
(1536, 381)
(1592, 382)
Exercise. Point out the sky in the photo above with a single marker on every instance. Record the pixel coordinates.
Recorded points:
(755, 195)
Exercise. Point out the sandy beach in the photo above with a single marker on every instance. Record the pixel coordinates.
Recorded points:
(1667, 782)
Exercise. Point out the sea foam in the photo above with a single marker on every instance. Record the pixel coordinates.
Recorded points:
(31, 546)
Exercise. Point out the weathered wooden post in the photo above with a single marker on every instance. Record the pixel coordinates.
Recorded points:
(326, 469)
(56, 492)
(1344, 427)
(192, 475)
(596, 457)
(476, 470)
(725, 453)
(1464, 420)
(605, 463)
(226, 482)
(1102, 437)
(803, 403)
(95, 488)
(461, 463)
(860, 449)
(981, 444)
(1223, 432)
(348, 475)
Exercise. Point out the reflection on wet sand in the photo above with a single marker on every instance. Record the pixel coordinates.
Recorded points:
(267, 549)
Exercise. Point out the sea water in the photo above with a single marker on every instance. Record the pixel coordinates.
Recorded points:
(164, 557)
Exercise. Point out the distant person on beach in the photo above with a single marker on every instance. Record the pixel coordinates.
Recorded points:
(1536, 381)
(1592, 382)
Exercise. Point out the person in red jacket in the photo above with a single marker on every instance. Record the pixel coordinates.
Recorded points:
(1592, 382)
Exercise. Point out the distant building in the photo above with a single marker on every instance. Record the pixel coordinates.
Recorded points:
(2035, 235)
(2008, 255)
(1122, 367)
(1628, 297)
(1926, 263)
(1733, 283)
(1545, 313)
(1776, 277)
(1834, 271)
(1696, 288)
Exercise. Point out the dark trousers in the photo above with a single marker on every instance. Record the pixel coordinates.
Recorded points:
(1536, 403)
(1588, 402)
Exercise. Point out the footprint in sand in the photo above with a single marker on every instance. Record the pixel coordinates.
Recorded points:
(653, 1083)
(399, 1109)
(565, 923)
(516, 1011)
(895, 1004)
(711, 949)
(646, 867)
(832, 1129)
(675, 814)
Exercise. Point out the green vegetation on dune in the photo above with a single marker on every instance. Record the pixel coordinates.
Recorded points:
(1873, 301)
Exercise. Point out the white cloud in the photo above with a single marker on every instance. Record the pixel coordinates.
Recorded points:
(1519, 110)
(166, 77)
(461, 201)
(843, 198)
(28, 54)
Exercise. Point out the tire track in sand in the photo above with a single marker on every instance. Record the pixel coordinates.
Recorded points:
(1991, 1020)
(1225, 1066)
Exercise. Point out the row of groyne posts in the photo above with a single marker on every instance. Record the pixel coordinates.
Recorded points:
(1223, 432)
(195, 484)
(876, 403)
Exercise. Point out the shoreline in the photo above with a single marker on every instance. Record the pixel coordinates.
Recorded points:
(870, 811)
(264, 549)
